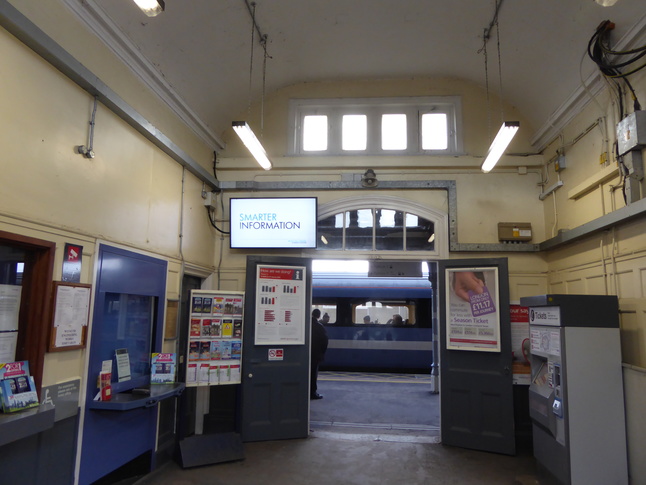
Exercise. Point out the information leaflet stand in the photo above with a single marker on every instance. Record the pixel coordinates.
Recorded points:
(213, 358)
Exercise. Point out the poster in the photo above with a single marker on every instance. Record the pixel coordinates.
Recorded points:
(9, 307)
(8, 343)
(520, 344)
(472, 309)
(280, 305)
(71, 310)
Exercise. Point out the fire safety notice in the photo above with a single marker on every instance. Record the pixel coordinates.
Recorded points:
(280, 305)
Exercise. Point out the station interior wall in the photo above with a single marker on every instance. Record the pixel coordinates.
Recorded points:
(134, 196)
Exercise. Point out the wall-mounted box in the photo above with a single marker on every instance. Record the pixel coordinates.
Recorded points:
(631, 132)
(514, 231)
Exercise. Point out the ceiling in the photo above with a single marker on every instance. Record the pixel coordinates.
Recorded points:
(201, 49)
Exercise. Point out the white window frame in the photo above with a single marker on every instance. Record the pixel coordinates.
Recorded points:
(413, 107)
(439, 219)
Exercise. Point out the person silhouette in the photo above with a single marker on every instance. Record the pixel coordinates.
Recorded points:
(319, 346)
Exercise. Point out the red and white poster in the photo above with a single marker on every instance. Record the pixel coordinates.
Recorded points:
(280, 305)
(520, 344)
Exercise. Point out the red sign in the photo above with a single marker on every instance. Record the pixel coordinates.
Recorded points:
(275, 354)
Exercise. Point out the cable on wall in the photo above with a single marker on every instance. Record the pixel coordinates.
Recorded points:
(611, 63)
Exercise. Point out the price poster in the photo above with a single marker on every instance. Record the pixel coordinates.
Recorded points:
(472, 309)
(280, 305)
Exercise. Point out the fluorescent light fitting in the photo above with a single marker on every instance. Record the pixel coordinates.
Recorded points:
(606, 3)
(252, 143)
(500, 144)
(151, 8)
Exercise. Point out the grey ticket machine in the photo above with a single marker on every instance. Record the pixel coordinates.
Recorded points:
(576, 399)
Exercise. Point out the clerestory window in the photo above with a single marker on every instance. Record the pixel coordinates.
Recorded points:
(374, 229)
(376, 126)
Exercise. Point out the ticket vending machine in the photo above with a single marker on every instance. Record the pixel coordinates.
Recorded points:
(576, 397)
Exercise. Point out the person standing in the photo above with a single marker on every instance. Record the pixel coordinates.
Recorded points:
(319, 346)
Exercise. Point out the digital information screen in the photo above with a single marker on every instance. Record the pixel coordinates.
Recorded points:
(273, 222)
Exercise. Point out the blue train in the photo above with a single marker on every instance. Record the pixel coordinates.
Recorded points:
(376, 324)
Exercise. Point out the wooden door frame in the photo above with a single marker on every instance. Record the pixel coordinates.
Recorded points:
(34, 323)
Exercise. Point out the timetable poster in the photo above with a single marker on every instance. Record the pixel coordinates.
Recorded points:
(280, 305)
(472, 309)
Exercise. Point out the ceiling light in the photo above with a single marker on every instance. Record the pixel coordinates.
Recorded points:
(252, 143)
(151, 8)
(606, 3)
(500, 144)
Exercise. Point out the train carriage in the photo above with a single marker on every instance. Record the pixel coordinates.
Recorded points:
(377, 324)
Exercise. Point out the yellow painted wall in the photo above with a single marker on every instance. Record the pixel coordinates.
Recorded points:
(131, 194)
(134, 195)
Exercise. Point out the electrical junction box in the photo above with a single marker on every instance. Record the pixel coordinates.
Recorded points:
(514, 231)
(210, 200)
(631, 132)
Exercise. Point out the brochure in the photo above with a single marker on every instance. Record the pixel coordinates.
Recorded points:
(105, 385)
(163, 368)
(17, 387)
(214, 347)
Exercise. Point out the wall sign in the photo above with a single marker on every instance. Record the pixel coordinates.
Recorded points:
(275, 354)
(72, 260)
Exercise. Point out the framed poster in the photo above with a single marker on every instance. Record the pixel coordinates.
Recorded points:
(472, 309)
(70, 314)
(280, 305)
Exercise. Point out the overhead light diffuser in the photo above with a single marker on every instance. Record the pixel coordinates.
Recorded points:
(151, 8)
(252, 143)
(500, 144)
(606, 3)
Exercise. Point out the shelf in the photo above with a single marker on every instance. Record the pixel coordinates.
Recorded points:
(125, 401)
(21, 424)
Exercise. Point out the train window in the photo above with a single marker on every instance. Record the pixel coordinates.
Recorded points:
(328, 309)
(383, 313)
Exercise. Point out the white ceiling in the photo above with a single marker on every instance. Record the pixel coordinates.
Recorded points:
(201, 48)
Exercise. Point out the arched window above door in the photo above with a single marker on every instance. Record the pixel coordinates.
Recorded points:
(374, 224)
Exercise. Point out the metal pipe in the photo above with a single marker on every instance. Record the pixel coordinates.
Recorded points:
(29, 34)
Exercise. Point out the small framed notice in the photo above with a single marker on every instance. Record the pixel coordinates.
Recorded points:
(70, 313)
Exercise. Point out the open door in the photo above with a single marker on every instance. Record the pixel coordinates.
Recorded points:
(276, 348)
(476, 389)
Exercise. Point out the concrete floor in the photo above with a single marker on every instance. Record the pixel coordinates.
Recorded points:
(351, 443)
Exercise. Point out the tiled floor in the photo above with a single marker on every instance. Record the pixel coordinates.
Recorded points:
(368, 429)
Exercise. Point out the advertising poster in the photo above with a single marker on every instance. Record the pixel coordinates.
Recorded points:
(472, 309)
(520, 344)
(280, 305)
